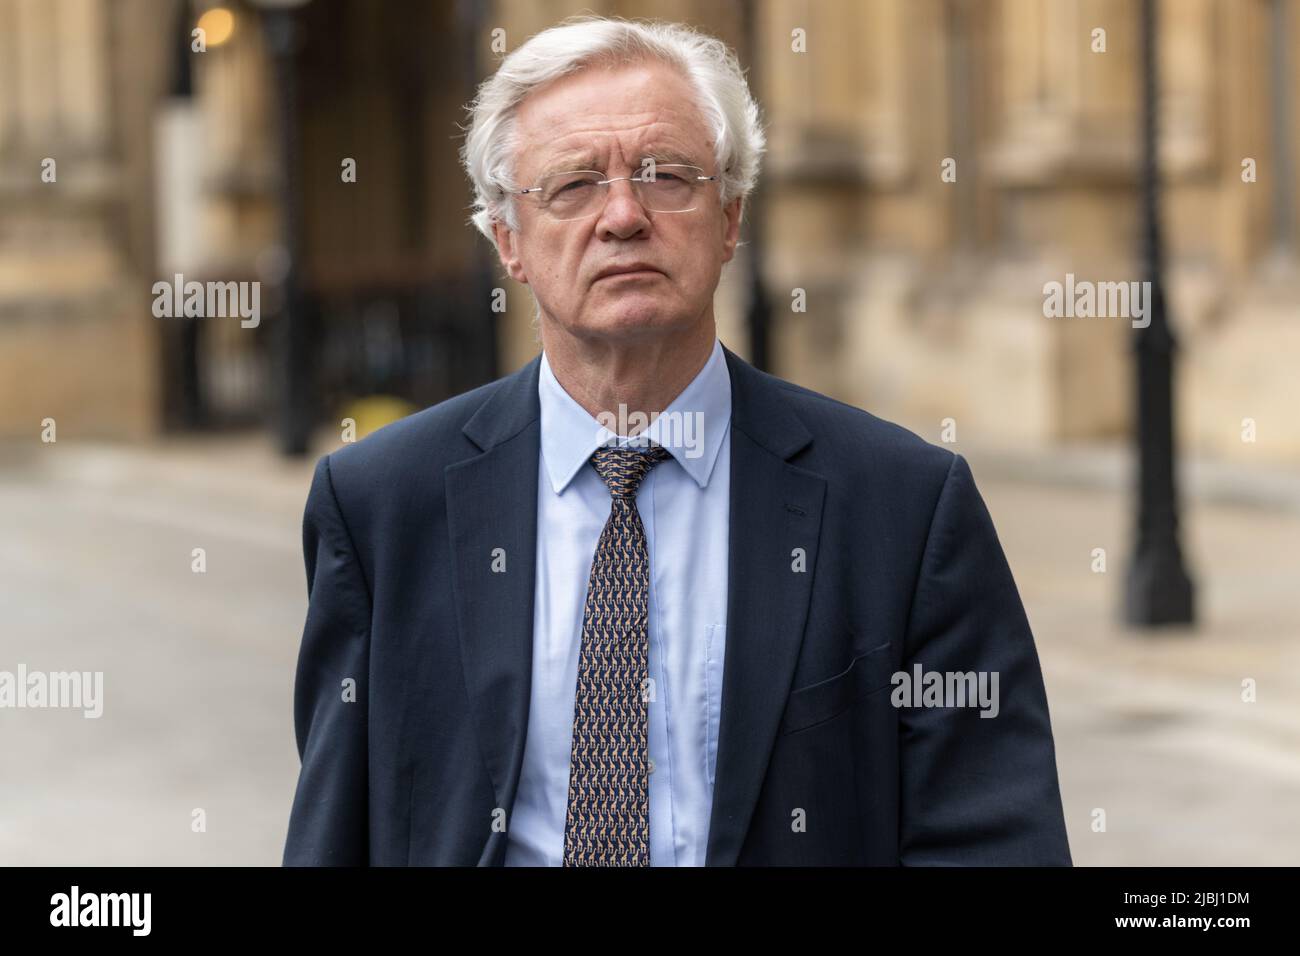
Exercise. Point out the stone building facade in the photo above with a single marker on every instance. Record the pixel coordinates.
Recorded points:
(933, 164)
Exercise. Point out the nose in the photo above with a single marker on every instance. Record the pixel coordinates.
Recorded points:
(623, 216)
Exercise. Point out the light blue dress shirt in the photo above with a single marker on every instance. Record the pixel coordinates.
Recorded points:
(684, 505)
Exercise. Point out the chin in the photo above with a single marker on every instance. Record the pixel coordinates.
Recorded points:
(635, 317)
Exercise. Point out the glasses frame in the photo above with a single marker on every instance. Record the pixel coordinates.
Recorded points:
(607, 182)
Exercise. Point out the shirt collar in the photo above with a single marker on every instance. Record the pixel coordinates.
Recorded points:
(691, 428)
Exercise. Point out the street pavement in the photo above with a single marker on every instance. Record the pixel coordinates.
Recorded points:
(96, 558)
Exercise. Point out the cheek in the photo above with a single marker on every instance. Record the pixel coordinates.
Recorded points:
(554, 261)
(704, 257)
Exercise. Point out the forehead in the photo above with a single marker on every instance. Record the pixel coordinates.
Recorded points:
(603, 114)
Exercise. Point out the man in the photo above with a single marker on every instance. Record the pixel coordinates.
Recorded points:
(543, 632)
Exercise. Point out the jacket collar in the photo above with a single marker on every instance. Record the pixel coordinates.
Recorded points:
(757, 408)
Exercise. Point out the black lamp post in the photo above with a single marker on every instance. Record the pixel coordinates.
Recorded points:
(290, 342)
(1158, 589)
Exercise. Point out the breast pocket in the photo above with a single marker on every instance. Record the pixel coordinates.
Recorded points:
(816, 703)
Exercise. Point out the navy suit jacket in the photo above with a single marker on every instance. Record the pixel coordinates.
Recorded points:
(815, 766)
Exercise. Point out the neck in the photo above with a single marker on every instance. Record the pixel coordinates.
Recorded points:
(642, 375)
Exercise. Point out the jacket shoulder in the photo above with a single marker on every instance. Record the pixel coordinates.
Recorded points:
(846, 434)
(419, 444)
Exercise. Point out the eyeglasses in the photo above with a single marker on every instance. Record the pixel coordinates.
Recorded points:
(581, 193)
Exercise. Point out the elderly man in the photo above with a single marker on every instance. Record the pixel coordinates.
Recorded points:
(639, 603)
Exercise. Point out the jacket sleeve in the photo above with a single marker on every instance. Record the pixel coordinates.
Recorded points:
(328, 824)
(975, 790)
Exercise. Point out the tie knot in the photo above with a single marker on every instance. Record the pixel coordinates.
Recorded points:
(623, 468)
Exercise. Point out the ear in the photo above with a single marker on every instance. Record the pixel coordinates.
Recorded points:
(731, 214)
(507, 242)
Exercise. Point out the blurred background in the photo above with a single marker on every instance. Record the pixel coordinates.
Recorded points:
(932, 165)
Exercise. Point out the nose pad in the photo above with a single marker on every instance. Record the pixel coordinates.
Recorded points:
(631, 194)
(623, 221)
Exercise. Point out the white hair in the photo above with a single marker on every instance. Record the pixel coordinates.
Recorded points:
(707, 64)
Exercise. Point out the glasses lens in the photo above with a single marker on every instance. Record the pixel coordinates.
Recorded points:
(672, 189)
(571, 195)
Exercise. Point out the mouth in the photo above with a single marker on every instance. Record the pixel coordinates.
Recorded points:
(635, 273)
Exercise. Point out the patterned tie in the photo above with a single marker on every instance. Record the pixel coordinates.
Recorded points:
(608, 820)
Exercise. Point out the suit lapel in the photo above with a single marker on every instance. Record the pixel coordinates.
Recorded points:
(492, 523)
(776, 508)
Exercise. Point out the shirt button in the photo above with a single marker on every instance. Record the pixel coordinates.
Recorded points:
(650, 765)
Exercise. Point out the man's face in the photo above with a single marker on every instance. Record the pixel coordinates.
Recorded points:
(610, 120)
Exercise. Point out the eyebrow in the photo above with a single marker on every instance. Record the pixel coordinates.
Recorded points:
(587, 160)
